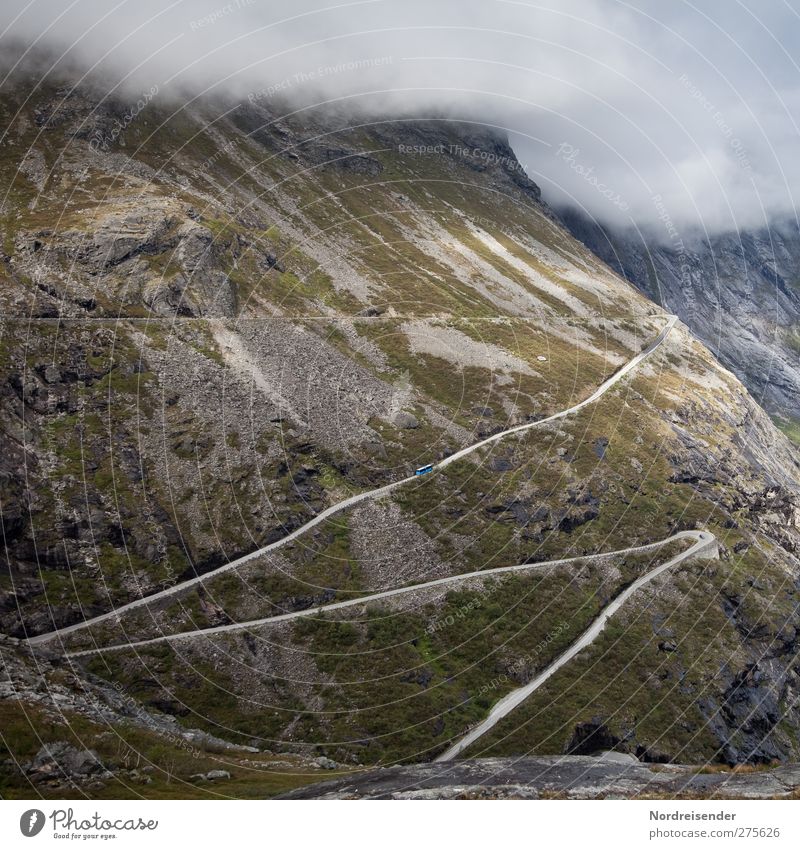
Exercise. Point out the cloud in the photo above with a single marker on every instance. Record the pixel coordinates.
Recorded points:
(623, 110)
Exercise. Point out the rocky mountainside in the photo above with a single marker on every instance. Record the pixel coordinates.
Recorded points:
(218, 321)
(738, 292)
(610, 775)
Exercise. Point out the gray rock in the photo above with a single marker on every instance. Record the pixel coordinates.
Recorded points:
(59, 758)
(577, 777)
(405, 420)
(120, 236)
(324, 763)
(735, 291)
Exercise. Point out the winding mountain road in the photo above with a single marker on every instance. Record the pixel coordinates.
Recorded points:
(705, 546)
(353, 602)
(355, 499)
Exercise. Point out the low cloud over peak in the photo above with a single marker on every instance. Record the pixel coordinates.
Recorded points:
(637, 115)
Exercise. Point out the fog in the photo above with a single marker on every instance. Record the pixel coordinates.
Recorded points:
(659, 114)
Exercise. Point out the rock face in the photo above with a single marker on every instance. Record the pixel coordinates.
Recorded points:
(324, 763)
(571, 777)
(737, 291)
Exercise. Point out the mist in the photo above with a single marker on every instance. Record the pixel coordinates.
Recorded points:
(661, 116)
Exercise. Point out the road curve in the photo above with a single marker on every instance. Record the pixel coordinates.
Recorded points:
(706, 544)
(353, 500)
(598, 393)
(353, 602)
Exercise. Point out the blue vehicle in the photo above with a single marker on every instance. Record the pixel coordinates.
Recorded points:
(423, 470)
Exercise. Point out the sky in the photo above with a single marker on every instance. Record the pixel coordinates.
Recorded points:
(658, 114)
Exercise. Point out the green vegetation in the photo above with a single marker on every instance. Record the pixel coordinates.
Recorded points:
(146, 765)
(647, 694)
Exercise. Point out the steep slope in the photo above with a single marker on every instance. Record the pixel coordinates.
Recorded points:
(737, 291)
(355, 347)
(218, 322)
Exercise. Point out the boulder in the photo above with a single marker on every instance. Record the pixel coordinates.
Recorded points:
(212, 775)
(60, 758)
(324, 763)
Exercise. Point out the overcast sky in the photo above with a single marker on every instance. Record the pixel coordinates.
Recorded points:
(633, 111)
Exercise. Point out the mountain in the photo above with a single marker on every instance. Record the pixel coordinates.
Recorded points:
(221, 320)
(738, 292)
